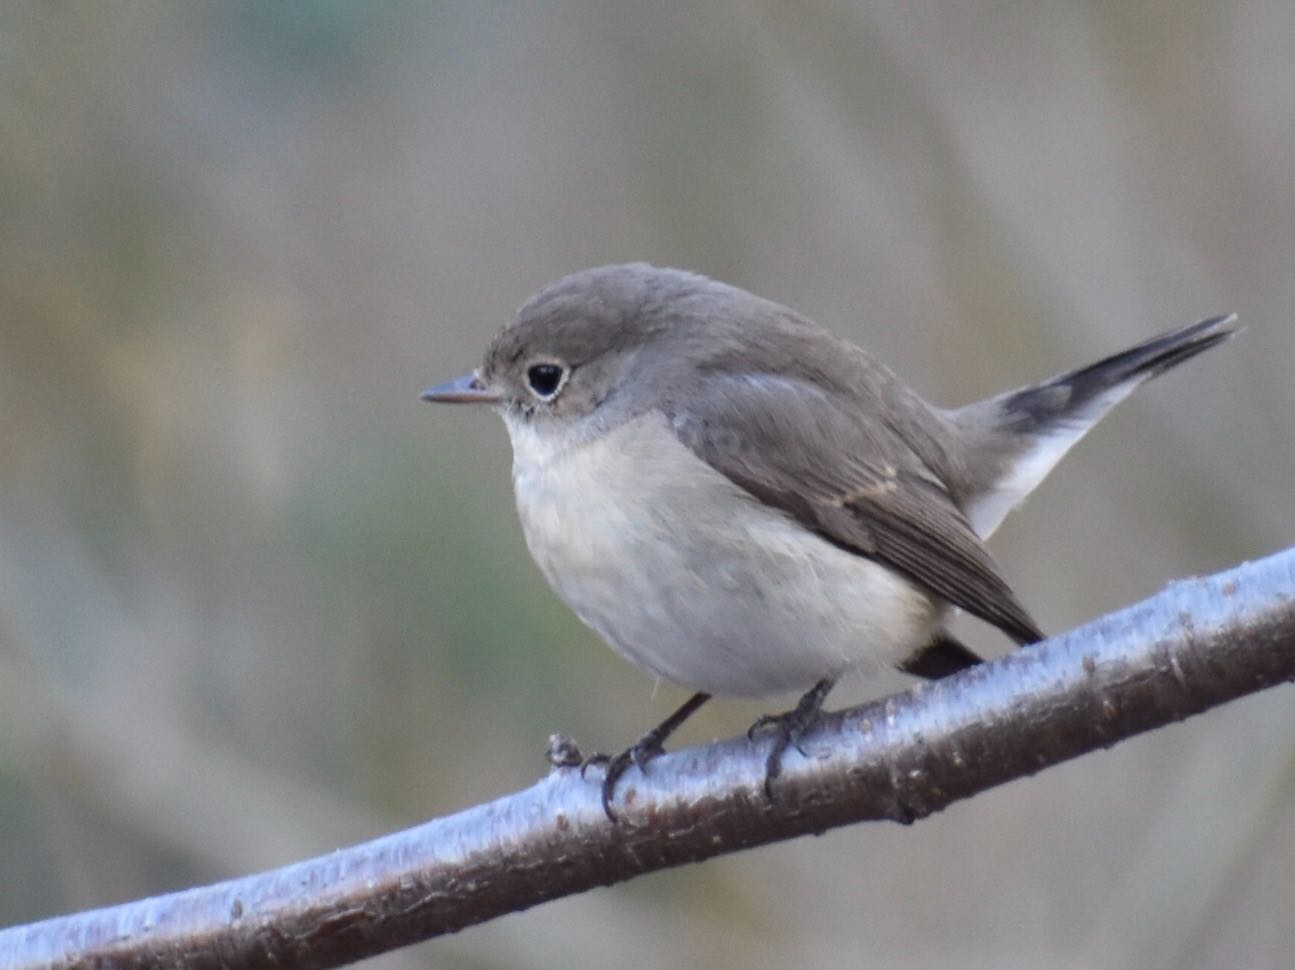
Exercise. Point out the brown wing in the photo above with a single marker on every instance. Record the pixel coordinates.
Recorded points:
(855, 482)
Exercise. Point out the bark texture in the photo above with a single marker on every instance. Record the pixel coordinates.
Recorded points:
(1198, 644)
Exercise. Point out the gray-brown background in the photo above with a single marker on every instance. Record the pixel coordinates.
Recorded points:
(257, 602)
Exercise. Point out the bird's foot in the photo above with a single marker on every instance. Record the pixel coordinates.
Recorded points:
(789, 728)
(650, 746)
(639, 754)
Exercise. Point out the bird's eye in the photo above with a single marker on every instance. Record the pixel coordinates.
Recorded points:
(545, 380)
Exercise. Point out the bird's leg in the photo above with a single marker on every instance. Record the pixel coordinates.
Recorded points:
(789, 728)
(642, 751)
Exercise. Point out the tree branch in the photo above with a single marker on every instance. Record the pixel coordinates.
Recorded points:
(1198, 644)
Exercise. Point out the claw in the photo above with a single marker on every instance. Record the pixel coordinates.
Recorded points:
(638, 755)
(789, 729)
(650, 746)
(594, 759)
(762, 723)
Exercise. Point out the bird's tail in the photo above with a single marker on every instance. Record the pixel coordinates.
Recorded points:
(1034, 426)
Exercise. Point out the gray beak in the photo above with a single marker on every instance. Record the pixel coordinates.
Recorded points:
(468, 389)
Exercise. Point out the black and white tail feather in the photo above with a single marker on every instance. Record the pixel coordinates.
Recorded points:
(1047, 419)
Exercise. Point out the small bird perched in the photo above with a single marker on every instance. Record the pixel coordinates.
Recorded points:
(742, 503)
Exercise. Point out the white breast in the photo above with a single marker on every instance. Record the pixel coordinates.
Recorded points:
(694, 580)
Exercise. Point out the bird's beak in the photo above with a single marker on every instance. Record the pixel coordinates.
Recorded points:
(468, 389)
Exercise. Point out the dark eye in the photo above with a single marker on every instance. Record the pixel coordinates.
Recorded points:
(544, 379)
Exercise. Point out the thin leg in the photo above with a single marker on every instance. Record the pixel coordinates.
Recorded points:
(644, 750)
(789, 728)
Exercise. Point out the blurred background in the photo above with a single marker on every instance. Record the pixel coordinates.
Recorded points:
(258, 602)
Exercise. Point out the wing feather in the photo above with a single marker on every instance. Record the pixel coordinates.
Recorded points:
(855, 482)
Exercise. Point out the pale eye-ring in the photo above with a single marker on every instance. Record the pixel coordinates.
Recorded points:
(545, 379)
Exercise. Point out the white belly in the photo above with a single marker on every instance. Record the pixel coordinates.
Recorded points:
(694, 580)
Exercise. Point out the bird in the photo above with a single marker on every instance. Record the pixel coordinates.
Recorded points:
(743, 503)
